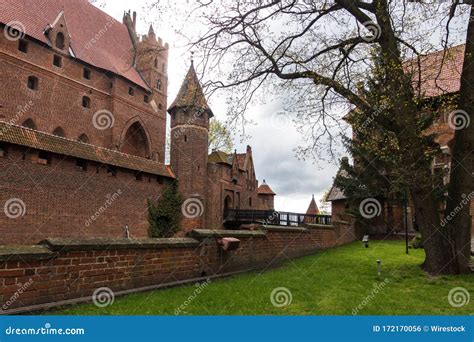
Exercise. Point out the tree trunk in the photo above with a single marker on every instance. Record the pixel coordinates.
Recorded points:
(461, 185)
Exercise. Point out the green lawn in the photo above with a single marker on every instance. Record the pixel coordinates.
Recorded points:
(332, 282)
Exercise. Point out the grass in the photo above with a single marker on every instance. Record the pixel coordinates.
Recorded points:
(332, 282)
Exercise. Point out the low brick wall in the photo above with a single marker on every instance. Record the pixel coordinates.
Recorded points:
(63, 271)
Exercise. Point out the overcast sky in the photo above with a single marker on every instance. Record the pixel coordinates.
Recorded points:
(273, 141)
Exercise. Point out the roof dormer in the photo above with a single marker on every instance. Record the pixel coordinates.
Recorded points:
(58, 34)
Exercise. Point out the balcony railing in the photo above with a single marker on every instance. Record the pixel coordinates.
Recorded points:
(272, 217)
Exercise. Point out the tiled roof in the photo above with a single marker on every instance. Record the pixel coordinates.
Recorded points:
(438, 76)
(190, 94)
(219, 157)
(336, 193)
(47, 142)
(264, 189)
(96, 38)
(313, 208)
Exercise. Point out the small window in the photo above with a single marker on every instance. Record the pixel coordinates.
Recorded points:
(158, 85)
(81, 165)
(32, 82)
(111, 171)
(159, 180)
(3, 151)
(185, 138)
(58, 61)
(146, 99)
(87, 74)
(138, 176)
(43, 158)
(156, 62)
(160, 106)
(60, 40)
(86, 102)
(23, 45)
(131, 91)
(250, 201)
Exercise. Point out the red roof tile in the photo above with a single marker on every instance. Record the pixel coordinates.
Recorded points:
(313, 208)
(47, 142)
(433, 81)
(96, 38)
(264, 189)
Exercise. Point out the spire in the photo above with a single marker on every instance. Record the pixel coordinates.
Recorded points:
(313, 207)
(151, 30)
(190, 94)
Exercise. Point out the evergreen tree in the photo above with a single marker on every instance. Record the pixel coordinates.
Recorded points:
(164, 215)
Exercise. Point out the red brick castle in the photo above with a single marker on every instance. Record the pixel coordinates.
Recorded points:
(83, 116)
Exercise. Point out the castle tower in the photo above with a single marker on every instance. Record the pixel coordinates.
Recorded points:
(190, 116)
(152, 63)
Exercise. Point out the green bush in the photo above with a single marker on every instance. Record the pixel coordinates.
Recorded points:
(164, 216)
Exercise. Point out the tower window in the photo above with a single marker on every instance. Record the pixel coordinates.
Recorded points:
(158, 85)
(60, 40)
(146, 99)
(81, 165)
(156, 63)
(185, 138)
(87, 74)
(86, 102)
(138, 176)
(131, 91)
(160, 106)
(43, 158)
(250, 201)
(111, 171)
(32, 82)
(58, 61)
(23, 45)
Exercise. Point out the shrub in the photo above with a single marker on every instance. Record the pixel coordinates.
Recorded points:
(164, 216)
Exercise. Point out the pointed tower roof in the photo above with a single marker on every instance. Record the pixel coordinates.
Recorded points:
(151, 30)
(313, 208)
(190, 94)
(264, 189)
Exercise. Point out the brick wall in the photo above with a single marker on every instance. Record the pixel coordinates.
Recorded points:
(62, 201)
(62, 270)
(58, 100)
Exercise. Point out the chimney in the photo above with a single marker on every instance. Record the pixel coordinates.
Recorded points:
(134, 21)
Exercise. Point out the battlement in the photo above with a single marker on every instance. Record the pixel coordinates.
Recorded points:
(153, 40)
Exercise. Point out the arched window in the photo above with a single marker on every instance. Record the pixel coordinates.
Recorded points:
(86, 102)
(83, 138)
(135, 141)
(29, 123)
(156, 63)
(59, 131)
(60, 40)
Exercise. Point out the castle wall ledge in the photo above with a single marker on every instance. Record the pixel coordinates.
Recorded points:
(110, 243)
(285, 228)
(206, 233)
(24, 253)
